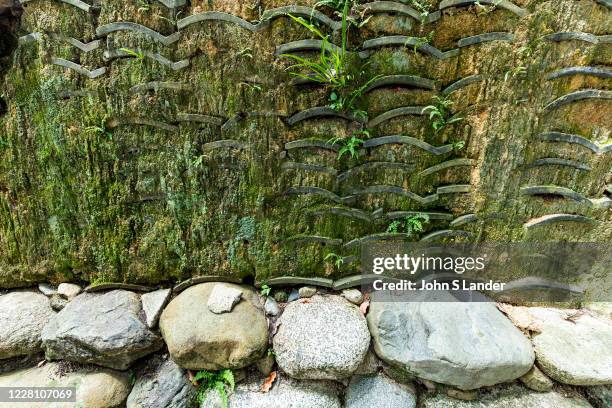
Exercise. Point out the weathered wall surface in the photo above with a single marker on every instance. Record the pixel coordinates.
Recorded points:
(184, 158)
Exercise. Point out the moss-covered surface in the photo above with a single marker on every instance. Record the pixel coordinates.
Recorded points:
(92, 189)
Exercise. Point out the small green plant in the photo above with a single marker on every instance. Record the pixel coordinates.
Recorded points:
(265, 290)
(214, 380)
(439, 113)
(335, 259)
(350, 145)
(484, 9)
(424, 8)
(515, 72)
(412, 224)
(420, 41)
(271, 352)
(100, 129)
(143, 6)
(458, 145)
(139, 55)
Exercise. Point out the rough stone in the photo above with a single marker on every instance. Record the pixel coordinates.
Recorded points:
(323, 338)
(369, 365)
(353, 295)
(507, 397)
(286, 392)
(467, 345)
(307, 292)
(266, 364)
(271, 307)
(600, 396)
(165, 386)
(462, 395)
(103, 329)
(536, 380)
(199, 339)
(23, 314)
(46, 289)
(69, 290)
(223, 298)
(379, 391)
(573, 347)
(281, 296)
(293, 296)
(153, 303)
(95, 388)
(58, 302)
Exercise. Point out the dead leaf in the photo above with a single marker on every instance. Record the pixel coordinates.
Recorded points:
(191, 376)
(267, 384)
(364, 306)
(520, 317)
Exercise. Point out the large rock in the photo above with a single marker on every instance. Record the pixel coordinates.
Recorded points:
(200, 339)
(104, 329)
(573, 347)
(286, 392)
(511, 397)
(379, 391)
(95, 388)
(467, 345)
(23, 315)
(321, 338)
(164, 385)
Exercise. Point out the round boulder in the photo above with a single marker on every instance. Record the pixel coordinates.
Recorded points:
(200, 339)
(321, 338)
(23, 314)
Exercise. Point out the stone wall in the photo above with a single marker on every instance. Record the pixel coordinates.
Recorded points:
(157, 141)
(299, 347)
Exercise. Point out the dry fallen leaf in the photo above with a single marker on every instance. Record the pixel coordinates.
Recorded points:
(267, 385)
(364, 306)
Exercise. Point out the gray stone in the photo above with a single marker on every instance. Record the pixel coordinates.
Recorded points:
(95, 388)
(103, 329)
(153, 303)
(223, 298)
(166, 386)
(323, 338)
(266, 364)
(353, 295)
(23, 314)
(369, 365)
(507, 397)
(573, 347)
(286, 392)
(467, 345)
(69, 290)
(200, 339)
(536, 380)
(462, 395)
(281, 296)
(58, 302)
(271, 307)
(379, 391)
(600, 396)
(293, 296)
(307, 292)
(46, 289)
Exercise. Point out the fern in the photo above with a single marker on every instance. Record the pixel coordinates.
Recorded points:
(439, 113)
(214, 380)
(411, 225)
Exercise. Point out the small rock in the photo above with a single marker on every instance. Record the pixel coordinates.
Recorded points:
(58, 302)
(307, 292)
(353, 295)
(430, 385)
(536, 380)
(281, 296)
(165, 386)
(462, 395)
(293, 296)
(271, 307)
(266, 364)
(46, 289)
(95, 388)
(223, 298)
(153, 303)
(369, 365)
(326, 338)
(379, 391)
(69, 290)
(23, 314)
(103, 329)
(200, 339)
